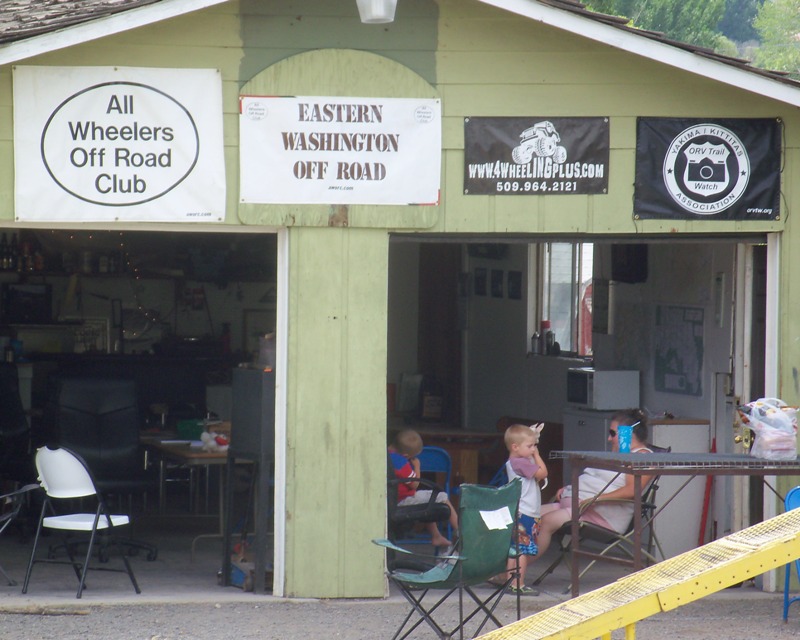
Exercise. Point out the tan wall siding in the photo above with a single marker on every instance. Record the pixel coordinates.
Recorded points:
(492, 63)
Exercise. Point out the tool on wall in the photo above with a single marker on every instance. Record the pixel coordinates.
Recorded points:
(116, 323)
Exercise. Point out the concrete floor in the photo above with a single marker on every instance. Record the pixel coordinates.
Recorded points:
(177, 578)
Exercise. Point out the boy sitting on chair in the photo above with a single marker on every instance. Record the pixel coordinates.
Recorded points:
(403, 453)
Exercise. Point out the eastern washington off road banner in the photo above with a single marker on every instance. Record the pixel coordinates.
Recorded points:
(535, 156)
(718, 169)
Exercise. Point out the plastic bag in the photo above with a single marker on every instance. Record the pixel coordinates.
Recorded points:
(774, 425)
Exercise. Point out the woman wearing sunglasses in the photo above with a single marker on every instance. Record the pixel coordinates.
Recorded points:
(592, 482)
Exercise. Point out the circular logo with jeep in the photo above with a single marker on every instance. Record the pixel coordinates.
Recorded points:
(706, 169)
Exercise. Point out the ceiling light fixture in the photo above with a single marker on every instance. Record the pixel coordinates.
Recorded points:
(376, 11)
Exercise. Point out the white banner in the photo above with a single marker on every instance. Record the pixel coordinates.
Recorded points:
(118, 144)
(326, 150)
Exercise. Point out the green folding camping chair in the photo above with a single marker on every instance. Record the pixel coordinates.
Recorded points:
(487, 517)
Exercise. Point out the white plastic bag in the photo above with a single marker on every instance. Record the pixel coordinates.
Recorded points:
(774, 425)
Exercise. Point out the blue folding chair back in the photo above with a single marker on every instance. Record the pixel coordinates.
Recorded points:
(433, 460)
(792, 501)
(436, 460)
(500, 477)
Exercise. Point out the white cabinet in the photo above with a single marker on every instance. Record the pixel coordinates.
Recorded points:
(678, 526)
(585, 430)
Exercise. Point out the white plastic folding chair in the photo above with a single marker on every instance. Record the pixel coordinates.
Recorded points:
(65, 476)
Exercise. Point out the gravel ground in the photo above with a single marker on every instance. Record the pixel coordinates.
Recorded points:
(731, 615)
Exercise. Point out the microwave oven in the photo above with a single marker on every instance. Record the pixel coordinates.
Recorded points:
(600, 390)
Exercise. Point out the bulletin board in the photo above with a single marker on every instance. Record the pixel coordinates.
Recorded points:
(678, 358)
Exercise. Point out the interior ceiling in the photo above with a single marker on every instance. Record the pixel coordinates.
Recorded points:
(227, 256)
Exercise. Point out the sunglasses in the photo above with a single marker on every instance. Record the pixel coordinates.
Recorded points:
(612, 433)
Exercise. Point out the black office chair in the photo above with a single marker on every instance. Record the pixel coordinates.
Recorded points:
(98, 418)
(16, 457)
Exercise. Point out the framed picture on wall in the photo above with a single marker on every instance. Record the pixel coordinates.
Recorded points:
(480, 281)
(515, 285)
(497, 283)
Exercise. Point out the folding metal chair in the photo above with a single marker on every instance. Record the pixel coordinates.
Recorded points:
(792, 501)
(433, 460)
(616, 547)
(487, 518)
(65, 476)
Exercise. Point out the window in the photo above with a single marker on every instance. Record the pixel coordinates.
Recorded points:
(561, 292)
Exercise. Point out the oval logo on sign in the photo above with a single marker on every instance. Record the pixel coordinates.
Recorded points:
(706, 169)
(120, 144)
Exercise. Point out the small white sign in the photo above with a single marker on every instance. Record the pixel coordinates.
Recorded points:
(339, 150)
(118, 143)
(497, 519)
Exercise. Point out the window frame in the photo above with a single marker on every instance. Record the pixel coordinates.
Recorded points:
(542, 292)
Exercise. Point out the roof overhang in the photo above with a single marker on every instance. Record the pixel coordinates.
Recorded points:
(652, 49)
(100, 28)
(625, 40)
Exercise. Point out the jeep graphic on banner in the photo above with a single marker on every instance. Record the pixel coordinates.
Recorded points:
(726, 169)
(535, 156)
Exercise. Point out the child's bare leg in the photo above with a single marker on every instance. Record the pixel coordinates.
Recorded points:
(437, 539)
(453, 517)
(511, 566)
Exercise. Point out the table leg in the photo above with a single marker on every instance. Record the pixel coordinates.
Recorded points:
(637, 522)
(221, 533)
(161, 488)
(575, 533)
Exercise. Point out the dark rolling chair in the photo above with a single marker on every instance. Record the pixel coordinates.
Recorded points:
(98, 418)
(10, 506)
(16, 457)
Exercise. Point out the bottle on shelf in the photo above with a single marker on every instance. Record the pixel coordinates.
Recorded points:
(548, 338)
(4, 252)
(13, 253)
(536, 343)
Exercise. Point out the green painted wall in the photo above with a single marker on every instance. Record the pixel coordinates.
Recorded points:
(492, 63)
(336, 416)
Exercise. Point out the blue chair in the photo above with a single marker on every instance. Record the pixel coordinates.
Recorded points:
(500, 477)
(433, 460)
(792, 501)
(436, 460)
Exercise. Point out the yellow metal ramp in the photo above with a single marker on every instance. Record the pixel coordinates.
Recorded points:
(666, 585)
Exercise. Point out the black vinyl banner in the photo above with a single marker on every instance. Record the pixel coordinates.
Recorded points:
(720, 169)
(535, 156)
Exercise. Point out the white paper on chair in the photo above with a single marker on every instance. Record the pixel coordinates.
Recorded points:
(497, 519)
